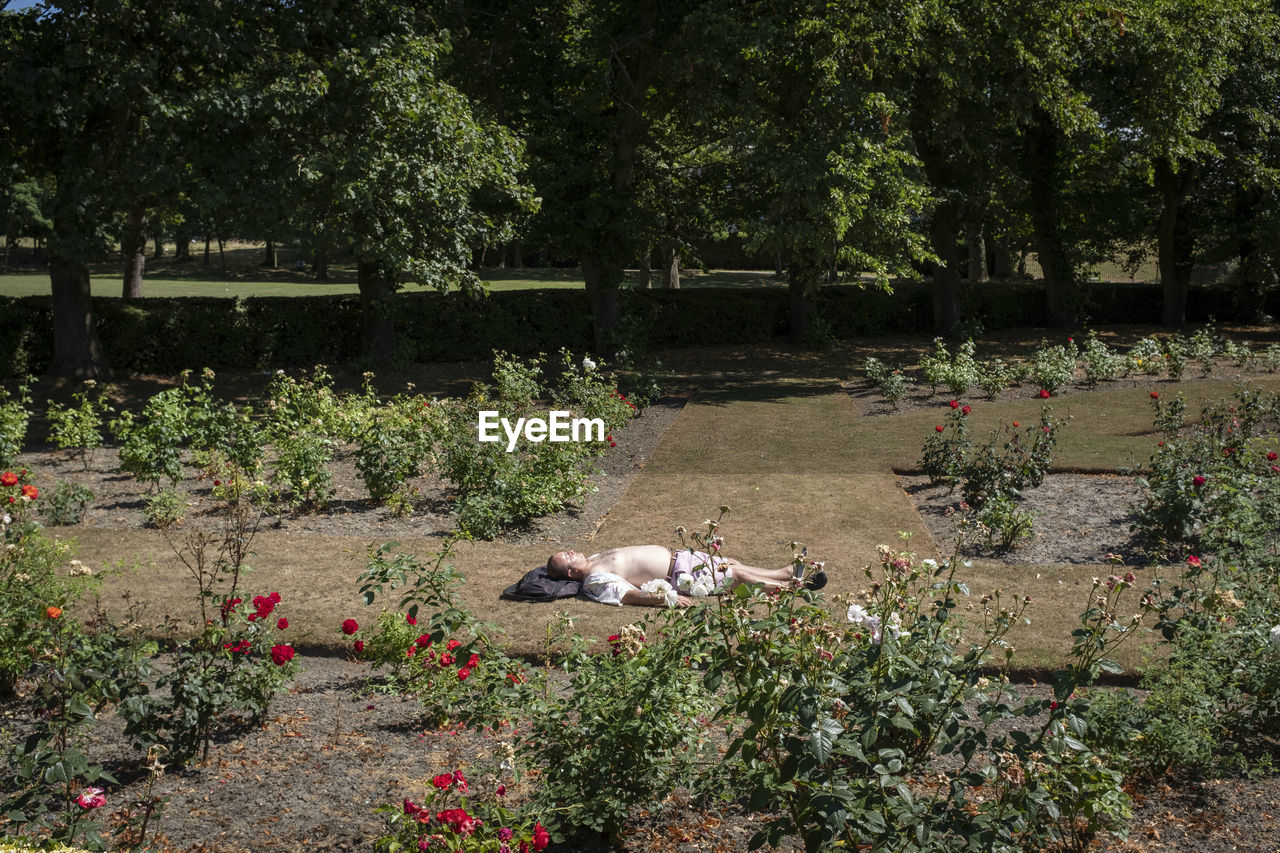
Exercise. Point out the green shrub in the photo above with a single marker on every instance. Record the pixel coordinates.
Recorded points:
(66, 504)
(890, 380)
(1100, 363)
(79, 427)
(301, 418)
(14, 417)
(1053, 367)
(837, 727)
(996, 376)
(165, 508)
(1145, 357)
(394, 445)
(626, 733)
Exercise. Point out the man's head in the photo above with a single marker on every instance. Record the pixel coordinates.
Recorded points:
(567, 565)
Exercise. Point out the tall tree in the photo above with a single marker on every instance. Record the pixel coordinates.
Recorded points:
(589, 86)
(100, 100)
(393, 161)
(815, 124)
(1190, 81)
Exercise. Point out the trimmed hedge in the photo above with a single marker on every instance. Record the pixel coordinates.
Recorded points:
(165, 335)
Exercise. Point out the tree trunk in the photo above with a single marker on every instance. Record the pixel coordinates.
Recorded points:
(998, 261)
(182, 245)
(645, 281)
(833, 270)
(378, 332)
(670, 269)
(270, 257)
(943, 232)
(1250, 276)
(222, 255)
(1173, 241)
(602, 279)
(977, 252)
(502, 258)
(77, 352)
(320, 264)
(8, 245)
(1041, 141)
(157, 237)
(134, 247)
(777, 264)
(207, 241)
(804, 275)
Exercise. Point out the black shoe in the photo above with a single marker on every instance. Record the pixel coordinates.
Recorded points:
(816, 582)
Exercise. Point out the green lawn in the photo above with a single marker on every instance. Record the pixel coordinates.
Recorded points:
(169, 278)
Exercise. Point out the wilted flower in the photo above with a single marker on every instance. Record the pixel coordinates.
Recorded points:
(91, 798)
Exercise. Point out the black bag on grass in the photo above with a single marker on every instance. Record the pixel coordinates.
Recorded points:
(537, 585)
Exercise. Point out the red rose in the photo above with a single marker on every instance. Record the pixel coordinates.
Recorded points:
(938, 428)
(350, 626)
(1271, 457)
(472, 661)
(443, 781)
(964, 410)
(282, 623)
(541, 838)
(955, 404)
(30, 492)
(1015, 423)
(410, 808)
(452, 644)
(52, 612)
(1197, 480)
(8, 478)
(464, 674)
(446, 659)
(1044, 394)
(228, 606)
(1193, 561)
(424, 640)
(1155, 395)
(359, 646)
(410, 620)
(281, 655)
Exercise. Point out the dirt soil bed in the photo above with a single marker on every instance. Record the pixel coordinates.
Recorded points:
(331, 751)
(118, 498)
(1080, 518)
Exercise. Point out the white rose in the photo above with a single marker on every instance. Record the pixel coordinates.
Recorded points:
(701, 588)
(587, 363)
(662, 590)
(1275, 636)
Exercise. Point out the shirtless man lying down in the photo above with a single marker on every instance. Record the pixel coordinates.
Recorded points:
(617, 575)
